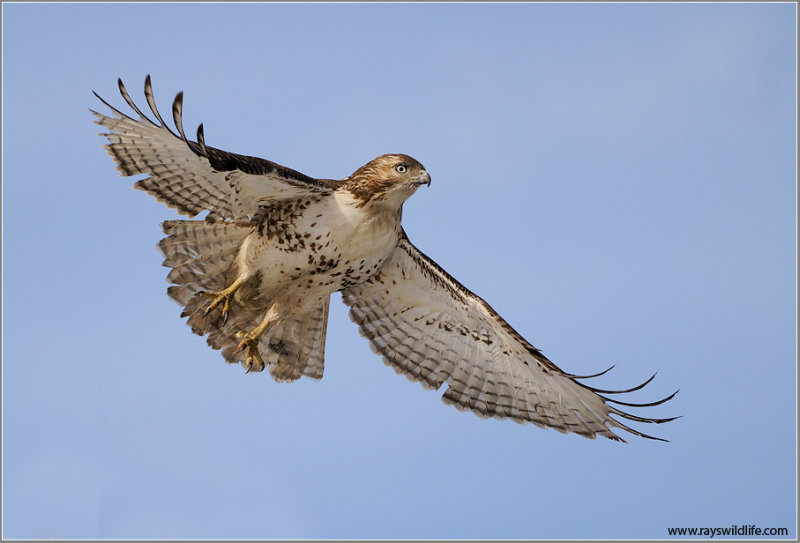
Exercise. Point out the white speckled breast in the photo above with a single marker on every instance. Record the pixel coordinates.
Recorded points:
(316, 246)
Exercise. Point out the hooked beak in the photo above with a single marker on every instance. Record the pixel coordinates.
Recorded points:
(424, 178)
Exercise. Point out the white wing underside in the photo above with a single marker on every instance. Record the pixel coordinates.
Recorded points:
(188, 175)
(429, 327)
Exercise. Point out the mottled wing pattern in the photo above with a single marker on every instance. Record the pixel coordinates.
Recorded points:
(429, 327)
(190, 176)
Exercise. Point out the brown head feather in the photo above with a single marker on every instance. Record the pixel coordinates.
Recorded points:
(373, 180)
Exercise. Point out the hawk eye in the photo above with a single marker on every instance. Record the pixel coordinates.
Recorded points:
(401, 168)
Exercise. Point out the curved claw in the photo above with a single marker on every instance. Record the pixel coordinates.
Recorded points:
(253, 362)
(222, 297)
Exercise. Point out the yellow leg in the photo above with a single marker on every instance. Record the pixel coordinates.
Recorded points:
(251, 339)
(222, 297)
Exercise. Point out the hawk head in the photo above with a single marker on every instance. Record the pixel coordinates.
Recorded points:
(387, 180)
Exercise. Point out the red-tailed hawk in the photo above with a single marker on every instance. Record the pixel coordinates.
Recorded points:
(256, 276)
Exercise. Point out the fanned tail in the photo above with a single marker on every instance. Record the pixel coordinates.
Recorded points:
(291, 348)
(297, 347)
(202, 257)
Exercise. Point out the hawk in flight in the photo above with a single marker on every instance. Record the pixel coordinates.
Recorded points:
(257, 272)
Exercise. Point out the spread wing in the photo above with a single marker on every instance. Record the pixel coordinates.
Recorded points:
(431, 328)
(191, 176)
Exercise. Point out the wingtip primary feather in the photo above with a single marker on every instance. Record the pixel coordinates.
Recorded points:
(649, 404)
(632, 389)
(630, 416)
(124, 92)
(117, 112)
(177, 114)
(151, 102)
(201, 140)
(572, 376)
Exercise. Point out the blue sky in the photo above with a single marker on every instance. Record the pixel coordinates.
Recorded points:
(617, 180)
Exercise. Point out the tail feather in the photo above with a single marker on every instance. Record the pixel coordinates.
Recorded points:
(297, 347)
(201, 256)
(188, 240)
(211, 268)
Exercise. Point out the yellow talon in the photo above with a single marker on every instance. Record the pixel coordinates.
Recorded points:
(222, 297)
(251, 339)
(254, 360)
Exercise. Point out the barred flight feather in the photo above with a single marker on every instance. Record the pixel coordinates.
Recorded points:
(488, 367)
(194, 178)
